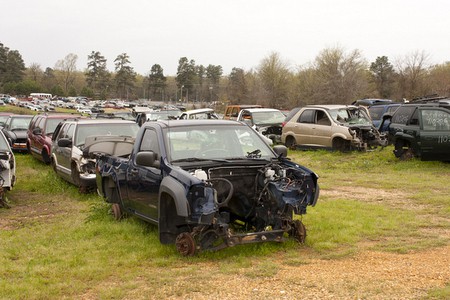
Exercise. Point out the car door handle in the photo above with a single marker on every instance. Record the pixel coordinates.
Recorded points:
(134, 171)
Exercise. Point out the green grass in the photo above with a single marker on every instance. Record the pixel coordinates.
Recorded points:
(55, 242)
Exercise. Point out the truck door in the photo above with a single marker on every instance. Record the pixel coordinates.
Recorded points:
(63, 155)
(143, 182)
(434, 133)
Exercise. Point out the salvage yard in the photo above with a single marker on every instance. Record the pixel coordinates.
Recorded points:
(381, 229)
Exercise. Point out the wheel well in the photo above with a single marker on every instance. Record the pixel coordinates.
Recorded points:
(45, 155)
(290, 140)
(110, 190)
(340, 144)
(170, 223)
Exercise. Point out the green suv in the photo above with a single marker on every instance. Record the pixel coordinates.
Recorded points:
(421, 128)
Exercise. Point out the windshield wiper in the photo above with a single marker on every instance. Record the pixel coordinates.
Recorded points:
(194, 159)
(254, 154)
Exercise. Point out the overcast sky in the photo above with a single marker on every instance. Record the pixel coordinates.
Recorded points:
(229, 33)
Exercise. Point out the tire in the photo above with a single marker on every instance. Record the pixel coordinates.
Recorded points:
(341, 145)
(76, 180)
(403, 150)
(291, 143)
(45, 157)
(53, 164)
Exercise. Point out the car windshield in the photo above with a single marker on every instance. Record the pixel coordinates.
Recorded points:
(3, 120)
(350, 116)
(215, 142)
(85, 130)
(162, 115)
(51, 125)
(20, 123)
(268, 117)
(376, 112)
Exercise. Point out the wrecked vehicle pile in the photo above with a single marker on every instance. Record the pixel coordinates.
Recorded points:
(207, 184)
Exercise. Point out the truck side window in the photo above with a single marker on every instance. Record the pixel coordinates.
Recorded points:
(150, 142)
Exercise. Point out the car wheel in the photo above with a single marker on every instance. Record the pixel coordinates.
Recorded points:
(45, 157)
(76, 180)
(403, 150)
(341, 145)
(291, 143)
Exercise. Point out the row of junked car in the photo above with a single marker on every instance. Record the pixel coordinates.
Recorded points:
(207, 184)
(419, 128)
(210, 184)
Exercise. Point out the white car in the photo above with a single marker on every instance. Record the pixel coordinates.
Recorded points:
(267, 121)
(7, 169)
(199, 114)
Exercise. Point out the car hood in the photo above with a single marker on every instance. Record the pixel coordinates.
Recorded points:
(108, 145)
(18, 134)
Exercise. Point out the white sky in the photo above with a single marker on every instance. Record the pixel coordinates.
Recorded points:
(230, 33)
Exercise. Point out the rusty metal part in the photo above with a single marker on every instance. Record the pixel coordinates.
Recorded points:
(185, 244)
(298, 231)
(116, 211)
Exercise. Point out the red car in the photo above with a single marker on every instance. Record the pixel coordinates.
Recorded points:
(40, 131)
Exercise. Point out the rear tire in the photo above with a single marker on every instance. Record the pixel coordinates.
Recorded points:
(291, 143)
(403, 150)
(45, 157)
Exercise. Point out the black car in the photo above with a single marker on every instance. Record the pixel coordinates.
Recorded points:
(15, 131)
(421, 129)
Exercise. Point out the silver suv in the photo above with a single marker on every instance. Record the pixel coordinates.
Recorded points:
(337, 127)
(68, 143)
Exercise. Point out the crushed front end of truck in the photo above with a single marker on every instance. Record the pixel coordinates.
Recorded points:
(247, 204)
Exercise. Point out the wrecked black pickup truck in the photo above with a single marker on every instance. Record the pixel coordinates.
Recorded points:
(207, 184)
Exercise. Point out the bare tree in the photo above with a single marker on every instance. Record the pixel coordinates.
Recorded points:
(34, 72)
(275, 75)
(66, 71)
(412, 70)
(439, 79)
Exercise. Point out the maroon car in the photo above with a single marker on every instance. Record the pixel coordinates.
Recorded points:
(42, 126)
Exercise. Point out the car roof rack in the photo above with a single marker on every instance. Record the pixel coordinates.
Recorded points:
(107, 116)
(428, 98)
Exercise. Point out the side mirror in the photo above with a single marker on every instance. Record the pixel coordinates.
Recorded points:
(64, 143)
(280, 150)
(147, 159)
(37, 131)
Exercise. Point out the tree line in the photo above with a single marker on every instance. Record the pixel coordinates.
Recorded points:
(333, 77)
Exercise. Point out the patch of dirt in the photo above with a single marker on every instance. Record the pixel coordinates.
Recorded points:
(365, 275)
(395, 198)
(30, 208)
(368, 275)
